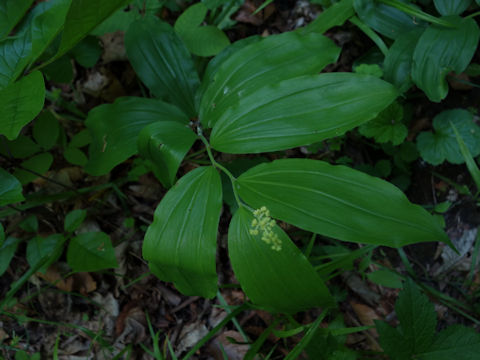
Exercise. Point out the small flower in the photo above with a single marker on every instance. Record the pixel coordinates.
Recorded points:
(263, 224)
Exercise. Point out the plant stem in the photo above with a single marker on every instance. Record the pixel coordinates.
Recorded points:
(408, 9)
(370, 33)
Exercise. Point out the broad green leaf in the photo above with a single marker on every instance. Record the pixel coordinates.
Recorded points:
(15, 53)
(20, 148)
(335, 15)
(91, 251)
(180, 244)
(39, 164)
(442, 145)
(385, 278)
(441, 50)
(162, 62)
(39, 247)
(20, 103)
(338, 202)
(11, 11)
(74, 219)
(7, 250)
(165, 143)
(278, 281)
(384, 19)
(456, 342)
(87, 52)
(300, 111)
(275, 58)
(387, 126)
(82, 17)
(46, 130)
(120, 20)
(115, 128)
(449, 7)
(398, 61)
(200, 40)
(75, 156)
(10, 189)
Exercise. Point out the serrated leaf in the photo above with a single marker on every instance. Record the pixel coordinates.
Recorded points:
(300, 111)
(392, 342)
(441, 50)
(10, 189)
(7, 250)
(40, 247)
(449, 7)
(38, 164)
(387, 126)
(180, 244)
(15, 54)
(398, 61)
(417, 317)
(91, 251)
(115, 128)
(46, 130)
(20, 103)
(275, 58)
(162, 62)
(74, 219)
(442, 145)
(278, 281)
(385, 19)
(11, 11)
(338, 202)
(456, 342)
(165, 143)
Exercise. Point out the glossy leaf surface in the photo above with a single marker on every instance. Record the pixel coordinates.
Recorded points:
(91, 251)
(180, 244)
(300, 111)
(278, 281)
(11, 11)
(441, 50)
(20, 103)
(165, 144)
(162, 62)
(449, 7)
(115, 128)
(275, 58)
(338, 202)
(10, 190)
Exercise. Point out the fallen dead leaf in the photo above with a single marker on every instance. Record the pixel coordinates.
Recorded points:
(366, 315)
(233, 350)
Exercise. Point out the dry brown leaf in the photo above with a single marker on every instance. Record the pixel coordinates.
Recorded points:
(53, 276)
(231, 349)
(366, 315)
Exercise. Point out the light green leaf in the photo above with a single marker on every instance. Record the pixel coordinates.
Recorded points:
(449, 7)
(10, 189)
(82, 17)
(441, 50)
(20, 103)
(456, 342)
(165, 143)
(92, 251)
(300, 111)
(162, 62)
(398, 61)
(338, 202)
(7, 250)
(442, 145)
(278, 281)
(115, 128)
(384, 19)
(39, 247)
(11, 11)
(385, 278)
(275, 58)
(15, 54)
(387, 126)
(335, 15)
(46, 130)
(39, 164)
(180, 244)
(74, 219)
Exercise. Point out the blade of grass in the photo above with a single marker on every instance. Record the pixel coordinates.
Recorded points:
(255, 348)
(222, 302)
(370, 33)
(408, 9)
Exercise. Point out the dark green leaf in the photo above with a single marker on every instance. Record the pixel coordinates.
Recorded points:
(10, 189)
(115, 128)
(87, 52)
(75, 156)
(335, 15)
(21, 148)
(2, 231)
(398, 61)
(385, 278)
(449, 7)
(11, 11)
(60, 71)
(387, 126)
(30, 224)
(39, 164)
(180, 244)
(120, 20)
(91, 251)
(81, 139)
(74, 219)
(276, 280)
(338, 202)
(165, 143)
(46, 130)
(162, 62)
(20, 103)
(300, 111)
(441, 50)
(7, 250)
(275, 58)
(392, 342)
(442, 145)
(15, 54)
(39, 247)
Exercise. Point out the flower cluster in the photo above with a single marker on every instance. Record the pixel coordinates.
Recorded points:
(263, 224)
